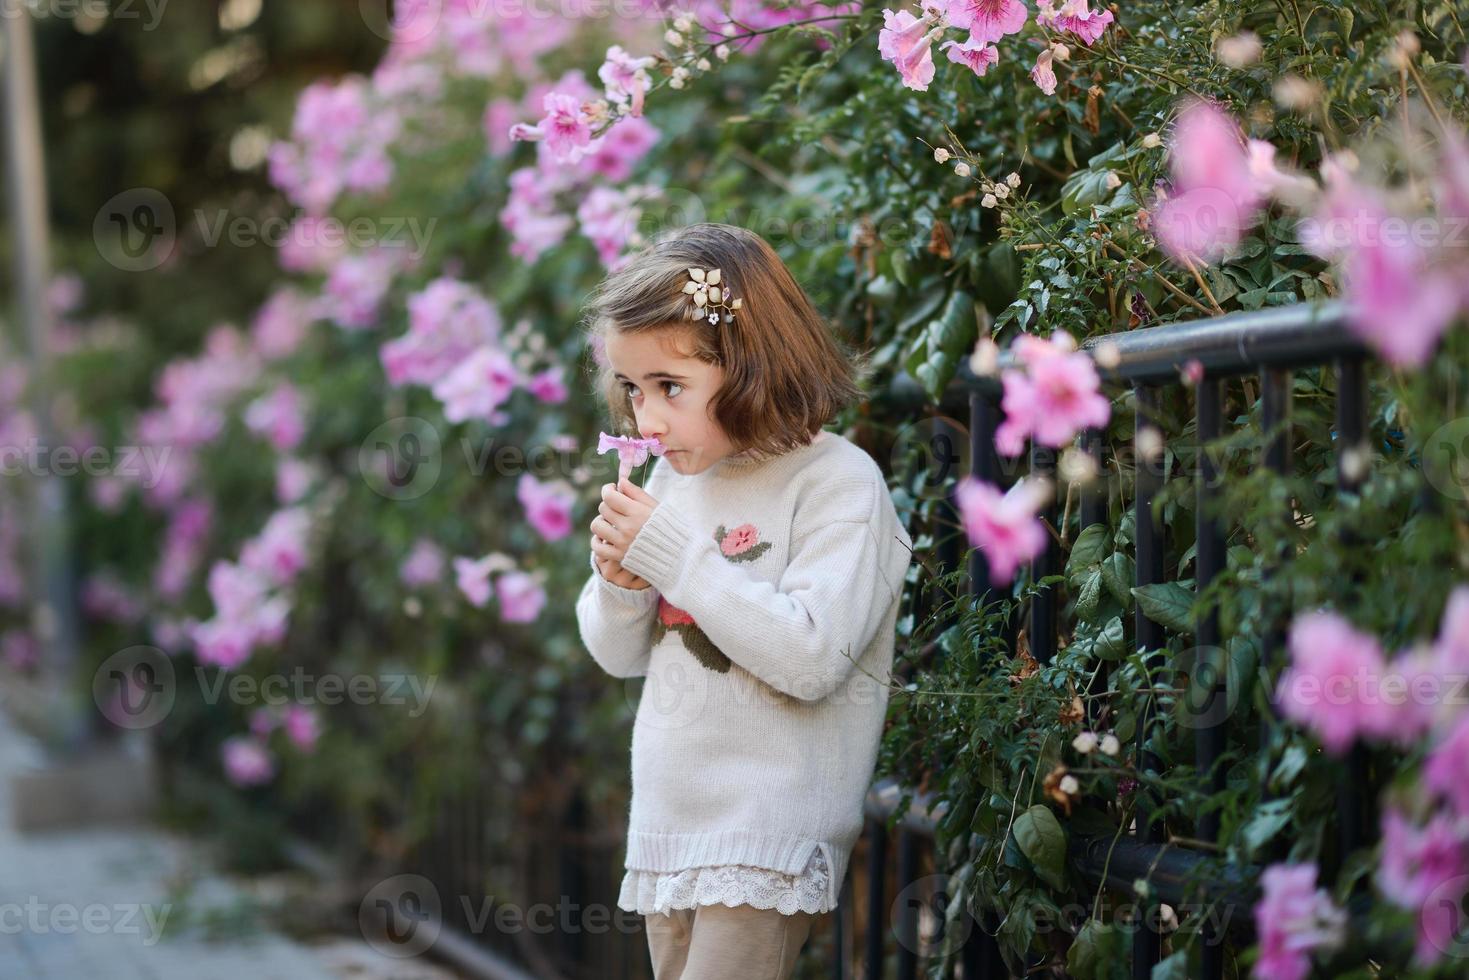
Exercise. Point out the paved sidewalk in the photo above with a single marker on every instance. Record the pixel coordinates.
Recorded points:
(107, 904)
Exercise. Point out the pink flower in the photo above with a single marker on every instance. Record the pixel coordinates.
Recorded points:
(313, 244)
(1003, 526)
(104, 597)
(279, 416)
(278, 552)
(740, 540)
(1055, 397)
(548, 387)
(246, 761)
(1044, 72)
(222, 642)
(280, 324)
(301, 725)
(520, 596)
(447, 321)
(974, 54)
(1074, 16)
(499, 117)
(1292, 918)
(293, 478)
(472, 576)
(565, 127)
(1445, 770)
(356, 285)
(626, 78)
(621, 147)
(1208, 150)
(988, 20)
(547, 505)
(1218, 184)
(906, 41)
(671, 615)
(1333, 685)
(424, 564)
(1452, 646)
(1202, 224)
(263, 721)
(1426, 869)
(609, 217)
(1396, 303)
(478, 387)
(630, 451)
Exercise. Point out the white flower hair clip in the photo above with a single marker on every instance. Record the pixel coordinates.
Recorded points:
(709, 296)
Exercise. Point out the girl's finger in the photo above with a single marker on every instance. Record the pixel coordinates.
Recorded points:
(605, 530)
(615, 499)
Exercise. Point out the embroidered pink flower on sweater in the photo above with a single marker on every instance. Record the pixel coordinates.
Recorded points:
(671, 615)
(741, 544)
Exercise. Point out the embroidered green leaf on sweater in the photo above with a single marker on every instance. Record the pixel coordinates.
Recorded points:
(740, 545)
(670, 617)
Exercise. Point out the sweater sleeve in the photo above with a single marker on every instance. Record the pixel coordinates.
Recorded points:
(803, 635)
(616, 624)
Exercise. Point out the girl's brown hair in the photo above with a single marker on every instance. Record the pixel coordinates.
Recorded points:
(785, 374)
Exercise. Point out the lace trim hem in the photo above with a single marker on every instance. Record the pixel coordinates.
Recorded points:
(649, 892)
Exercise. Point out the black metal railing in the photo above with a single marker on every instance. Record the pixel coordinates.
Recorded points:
(1269, 344)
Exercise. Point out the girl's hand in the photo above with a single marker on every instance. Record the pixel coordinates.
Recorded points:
(625, 507)
(613, 572)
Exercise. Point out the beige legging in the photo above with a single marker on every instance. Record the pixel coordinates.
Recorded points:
(726, 942)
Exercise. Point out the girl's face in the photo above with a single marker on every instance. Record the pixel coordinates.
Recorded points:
(670, 394)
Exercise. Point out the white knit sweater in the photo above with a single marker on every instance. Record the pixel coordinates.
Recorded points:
(766, 640)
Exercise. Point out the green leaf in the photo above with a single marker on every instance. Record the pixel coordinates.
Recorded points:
(1039, 835)
(1168, 604)
(902, 270)
(1292, 761)
(1175, 967)
(1270, 819)
(1118, 575)
(936, 352)
(1096, 951)
(1090, 595)
(1091, 546)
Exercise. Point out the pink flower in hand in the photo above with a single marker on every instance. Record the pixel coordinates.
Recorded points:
(631, 451)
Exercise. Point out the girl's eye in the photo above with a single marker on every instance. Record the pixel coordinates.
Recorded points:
(631, 388)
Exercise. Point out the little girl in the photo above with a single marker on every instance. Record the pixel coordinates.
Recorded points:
(754, 581)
